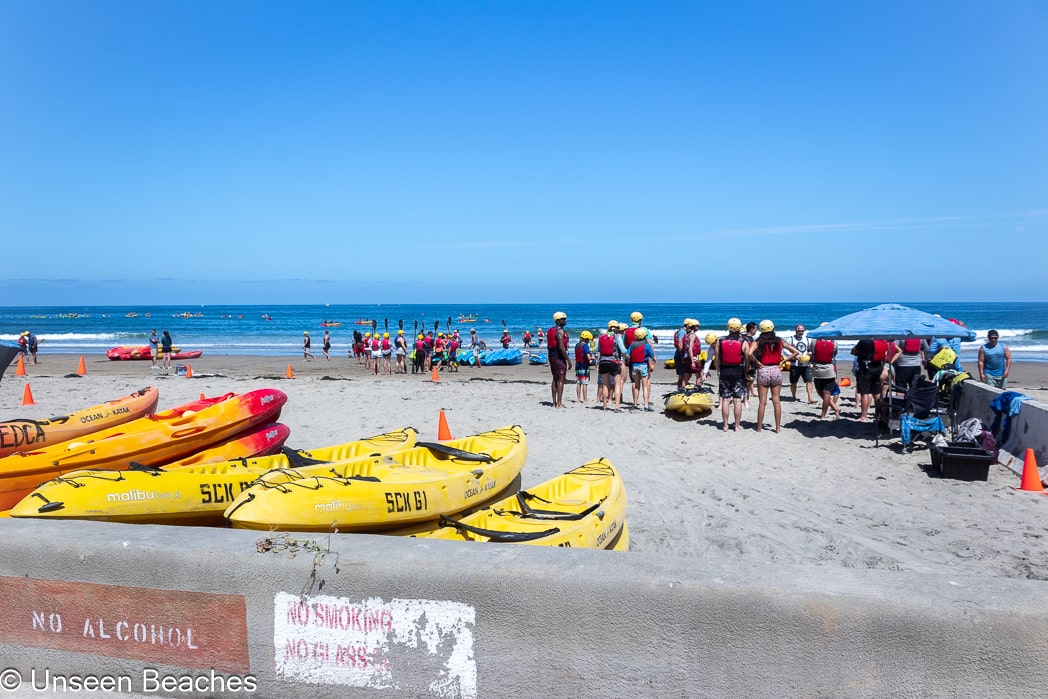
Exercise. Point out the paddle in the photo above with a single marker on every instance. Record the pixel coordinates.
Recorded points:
(457, 453)
(374, 327)
(387, 324)
(449, 325)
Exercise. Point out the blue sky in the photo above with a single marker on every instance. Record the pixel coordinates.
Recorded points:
(487, 152)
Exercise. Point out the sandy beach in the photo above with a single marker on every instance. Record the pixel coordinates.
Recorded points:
(818, 493)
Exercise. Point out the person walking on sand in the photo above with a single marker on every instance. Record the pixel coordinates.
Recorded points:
(995, 361)
(766, 354)
(326, 347)
(154, 347)
(730, 355)
(306, 354)
(583, 362)
(559, 361)
(165, 346)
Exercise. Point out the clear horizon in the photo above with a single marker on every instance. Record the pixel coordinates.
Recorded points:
(259, 152)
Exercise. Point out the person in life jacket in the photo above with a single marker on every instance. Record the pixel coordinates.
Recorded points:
(559, 361)
(642, 361)
(583, 362)
(387, 354)
(376, 353)
(506, 340)
(400, 351)
(801, 367)
(824, 372)
(870, 355)
(908, 360)
(731, 371)
(767, 354)
(440, 349)
(367, 350)
(684, 340)
(418, 365)
(610, 350)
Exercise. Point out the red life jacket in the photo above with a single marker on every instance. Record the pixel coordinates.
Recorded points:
(680, 339)
(637, 352)
(696, 347)
(911, 346)
(771, 354)
(606, 345)
(375, 344)
(551, 337)
(628, 336)
(730, 352)
(823, 352)
(420, 346)
(880, 350)
(580, 356)
(385, 343)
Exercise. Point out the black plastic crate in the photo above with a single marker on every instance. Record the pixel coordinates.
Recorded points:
(966, 461)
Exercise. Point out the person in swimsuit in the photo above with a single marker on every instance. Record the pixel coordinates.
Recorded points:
(154, 347)
(401, 352)
(306, 353)
(326, 347)
(766, 355)
(165, 345)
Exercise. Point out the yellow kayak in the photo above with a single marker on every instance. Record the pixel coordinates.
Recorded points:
(691, 402)
(583, 508)
(29, 435)
(400, 489)
(181, 494)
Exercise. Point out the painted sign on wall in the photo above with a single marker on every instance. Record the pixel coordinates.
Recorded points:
(409, 645)
(176, 627)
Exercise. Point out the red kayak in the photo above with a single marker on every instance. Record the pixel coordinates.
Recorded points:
(125, 353)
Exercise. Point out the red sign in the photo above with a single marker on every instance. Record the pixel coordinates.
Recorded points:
(173, 627)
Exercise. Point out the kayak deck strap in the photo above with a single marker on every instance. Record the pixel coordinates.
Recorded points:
(495, 535)
(548, 515)
(456, 453)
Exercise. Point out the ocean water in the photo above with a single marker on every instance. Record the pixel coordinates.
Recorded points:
(244, 330)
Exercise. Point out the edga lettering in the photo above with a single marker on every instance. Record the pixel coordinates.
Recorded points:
(20, 434)
(411, 501)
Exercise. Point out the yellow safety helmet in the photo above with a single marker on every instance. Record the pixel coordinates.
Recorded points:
(400, 332)
(367, 334)
(386, 335)
(734, 325)
(560, 315)
(640, 334)
(636, 316)
(421, 336)
(305, 332)
(612, 324)
(586, 335)
(766, 326)
(711, 337)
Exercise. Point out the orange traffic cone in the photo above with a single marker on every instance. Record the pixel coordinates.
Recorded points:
(201, 396)
(1031, 477)
(436, 374)
(27, 396)
(81, 370)
(20, 371)
(189, 371)
(289, 374)
(443, 433)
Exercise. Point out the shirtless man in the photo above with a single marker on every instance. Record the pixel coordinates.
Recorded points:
(559, 361)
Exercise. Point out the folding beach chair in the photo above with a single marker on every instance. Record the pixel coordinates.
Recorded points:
(923, 413)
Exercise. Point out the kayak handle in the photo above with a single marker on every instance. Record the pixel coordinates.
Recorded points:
(497, 536)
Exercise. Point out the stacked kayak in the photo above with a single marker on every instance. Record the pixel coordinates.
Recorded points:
(26, 434)
(400, 489)
(125, 353)
(691, 402)
(179, 493)
(538, 358)
(156, 439)
(583, 508)
(503, 357)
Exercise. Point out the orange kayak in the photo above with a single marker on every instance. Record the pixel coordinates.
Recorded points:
(149, 441)
(27, 435)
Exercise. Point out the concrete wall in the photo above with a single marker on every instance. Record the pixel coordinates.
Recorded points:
(460, 620)
(1029, 428)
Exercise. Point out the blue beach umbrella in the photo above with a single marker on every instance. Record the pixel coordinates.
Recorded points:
(890, 321)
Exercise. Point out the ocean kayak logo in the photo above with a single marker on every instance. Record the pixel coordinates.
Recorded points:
(333, 506)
